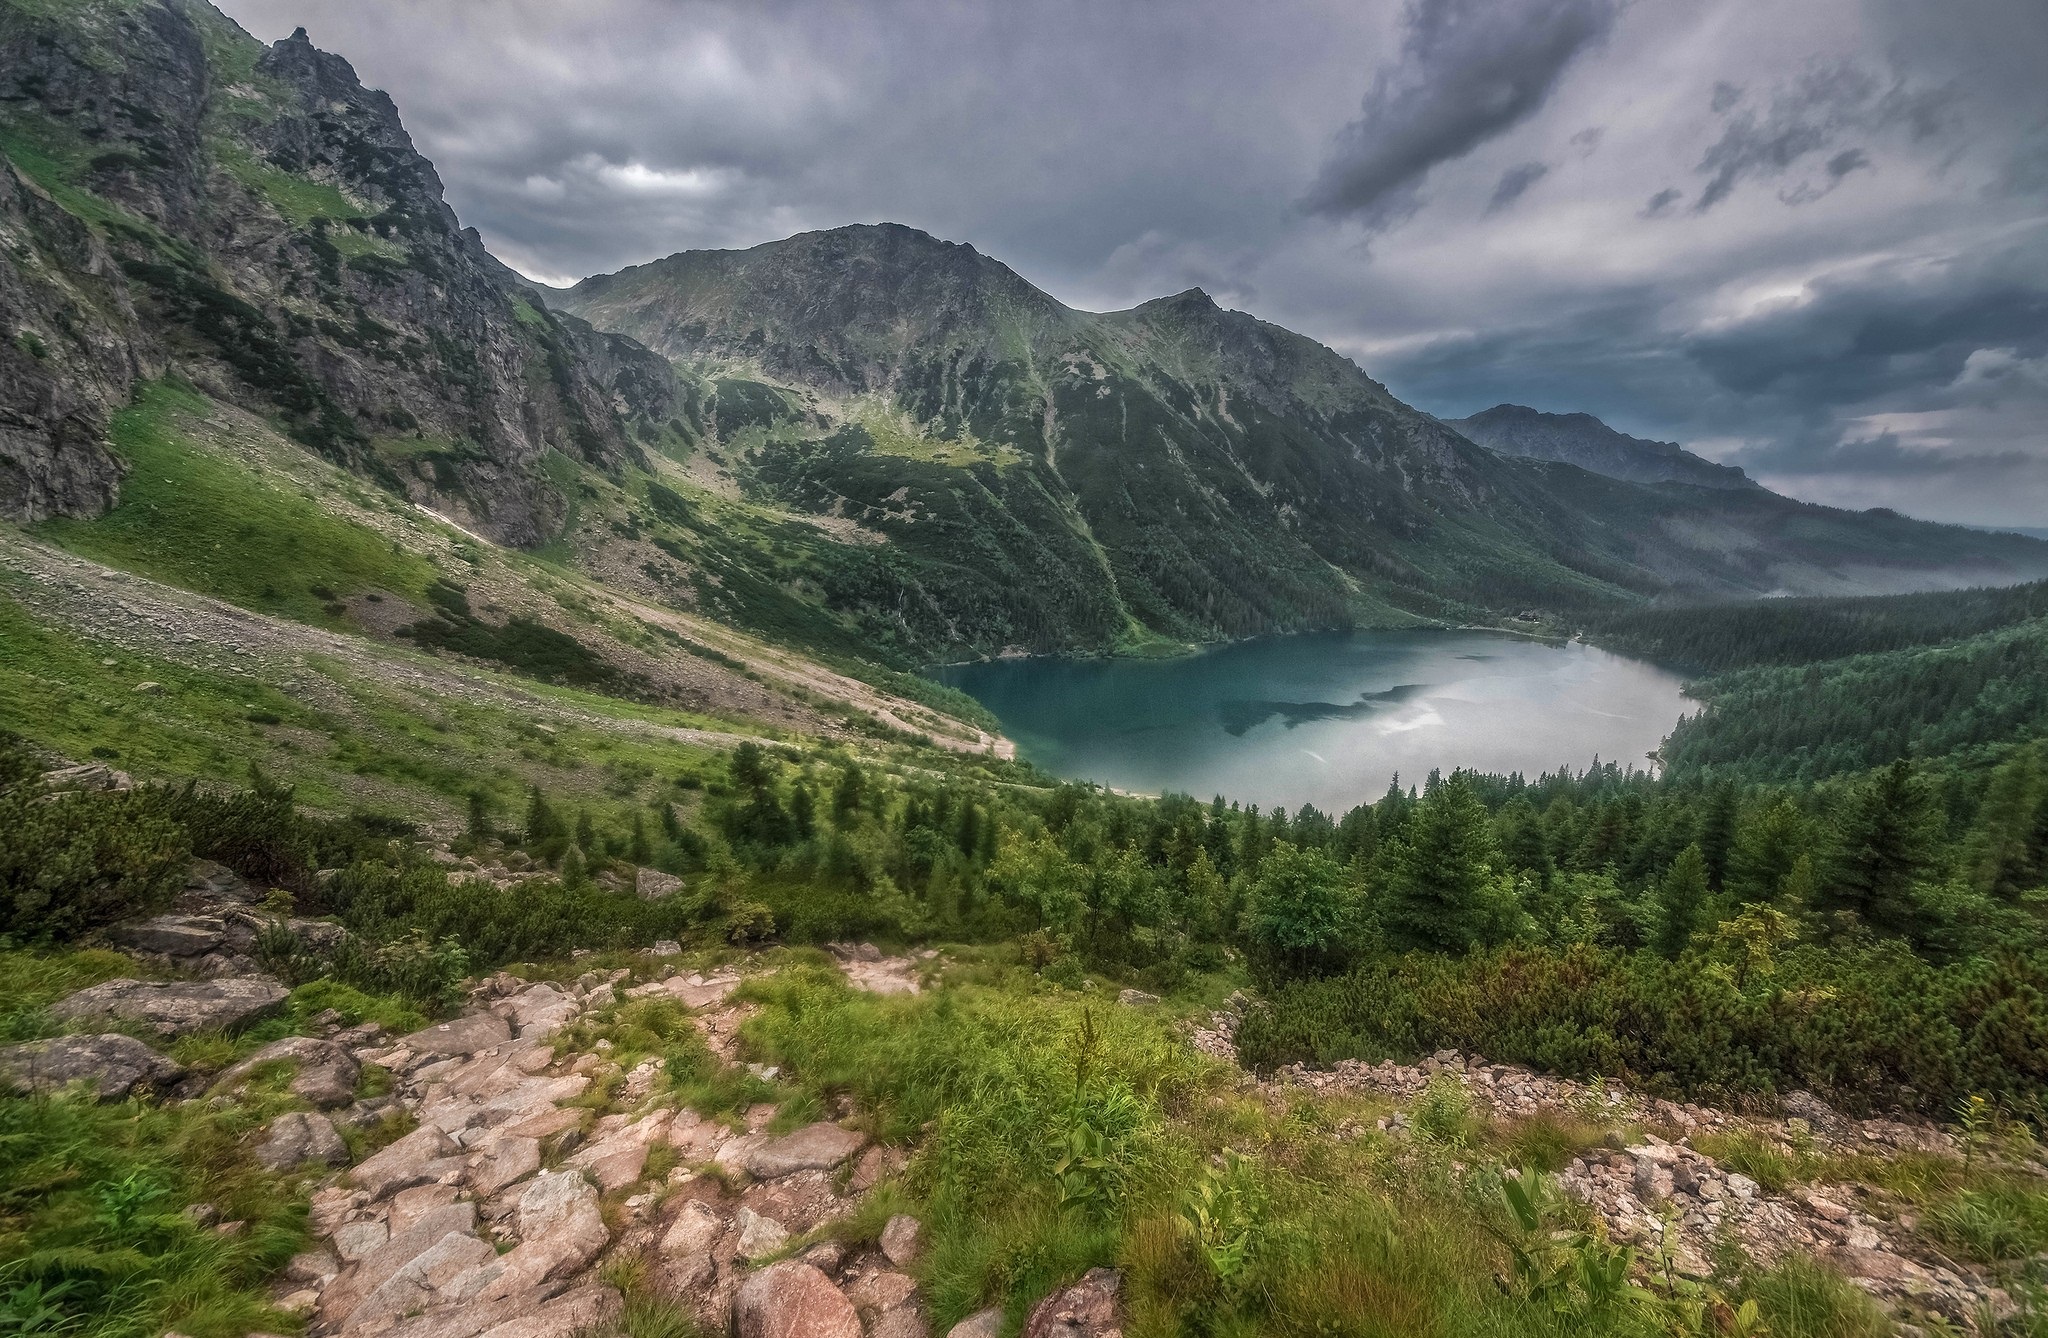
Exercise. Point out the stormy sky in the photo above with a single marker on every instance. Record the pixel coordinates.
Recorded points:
(1810, 239)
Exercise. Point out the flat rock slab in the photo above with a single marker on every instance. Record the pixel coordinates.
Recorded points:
(404, 1163)
(115, 1065)
(463, 1036)
(175, 1008)
(793, 1300)
(172, 935)
(815, 1147)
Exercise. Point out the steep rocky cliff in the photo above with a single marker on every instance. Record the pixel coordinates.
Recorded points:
(182, 199)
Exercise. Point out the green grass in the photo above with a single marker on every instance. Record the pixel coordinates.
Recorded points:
(201, 519)
(298, 199)
(94, 1228)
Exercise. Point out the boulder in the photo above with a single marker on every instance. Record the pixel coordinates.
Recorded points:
(981, 1324)
(759, 1236)
(1088, 1309)
(539, 1011)
(902, 1240)
(115, 1065)
(298, 1137)
(463, 1036)
(585, 1310)
(356, 1240)
(404, 1163)
(653, 885)
(1136, 998)
(326, 1074)
(815, 1147)
(694, 1231)
(171, 935)
(87, 776)
(176, 1008)
(793, 1300)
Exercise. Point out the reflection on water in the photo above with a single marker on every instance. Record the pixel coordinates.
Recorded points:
(1327, 719)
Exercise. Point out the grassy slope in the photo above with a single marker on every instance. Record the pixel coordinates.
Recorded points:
(222, 527)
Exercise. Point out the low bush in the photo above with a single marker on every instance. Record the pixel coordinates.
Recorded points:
(1869, 1027)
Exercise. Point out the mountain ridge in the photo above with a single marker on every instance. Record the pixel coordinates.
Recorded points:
(1235, 477)
(1583, 440)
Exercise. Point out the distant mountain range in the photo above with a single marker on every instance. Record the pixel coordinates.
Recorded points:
(1583, 440)
(865, 440)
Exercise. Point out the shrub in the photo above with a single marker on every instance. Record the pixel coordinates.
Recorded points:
(74, 862)
(1870, 1026)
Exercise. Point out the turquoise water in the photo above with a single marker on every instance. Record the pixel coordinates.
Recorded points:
(1328, 718)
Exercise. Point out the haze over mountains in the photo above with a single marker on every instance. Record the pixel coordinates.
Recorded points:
(1583, 440)
(864, 440)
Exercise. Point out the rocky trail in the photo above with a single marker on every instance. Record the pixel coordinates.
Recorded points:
(530, 1175)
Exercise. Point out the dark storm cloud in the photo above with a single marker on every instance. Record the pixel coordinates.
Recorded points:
(1513, 183)
(1469, 70)
(1887, 327)
(1824, 103)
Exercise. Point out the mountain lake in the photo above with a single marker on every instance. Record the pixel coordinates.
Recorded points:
(1328, 718)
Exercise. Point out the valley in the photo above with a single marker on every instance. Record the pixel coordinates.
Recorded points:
(820, 790)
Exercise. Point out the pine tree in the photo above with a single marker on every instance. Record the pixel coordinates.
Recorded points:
(638, 848)
(1442, 891)
(846, 793)
(1885, 843)
(1681, 901)
(2003, 858)
(1766, 847)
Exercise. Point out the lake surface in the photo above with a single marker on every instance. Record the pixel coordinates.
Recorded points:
(1328, 718)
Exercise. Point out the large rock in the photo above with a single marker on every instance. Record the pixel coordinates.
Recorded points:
(326, 1074)
(422, 1281)
(981, 1324)
(463, 1036)
(212, 884)
(561, 1229)
(172, 935)
(540, 1011)
(176, 1008)
(653, 885)
(298, 1137)
(115, 1065)
(340, 1300)
(902, 1240)
(815, 1147)
(1088, 1309)
(793, 1300)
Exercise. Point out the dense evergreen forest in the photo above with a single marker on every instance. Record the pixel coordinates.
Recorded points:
(1717, 637)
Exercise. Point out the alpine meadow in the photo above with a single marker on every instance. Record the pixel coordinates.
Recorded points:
(573, 777)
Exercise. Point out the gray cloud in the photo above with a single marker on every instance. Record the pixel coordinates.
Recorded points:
(1469, 71)
(1823, 103)
(1662, 201)
(1513, 183)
